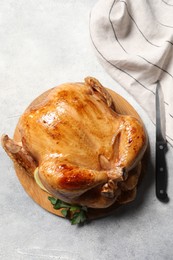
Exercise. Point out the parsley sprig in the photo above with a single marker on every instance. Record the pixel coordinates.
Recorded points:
(76, 214)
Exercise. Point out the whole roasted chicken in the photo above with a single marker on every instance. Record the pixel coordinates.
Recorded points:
(84, 152)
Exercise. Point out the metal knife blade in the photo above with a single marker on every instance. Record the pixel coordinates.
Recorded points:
(160, 115)
(161, 147)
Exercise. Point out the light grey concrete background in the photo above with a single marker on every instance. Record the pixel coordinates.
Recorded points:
(44, 43)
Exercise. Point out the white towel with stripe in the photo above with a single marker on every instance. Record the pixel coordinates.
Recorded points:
(134, 43)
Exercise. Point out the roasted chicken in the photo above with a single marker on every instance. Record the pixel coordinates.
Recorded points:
(85, 152)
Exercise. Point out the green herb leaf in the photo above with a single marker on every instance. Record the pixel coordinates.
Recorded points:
(75, 208)
(76, 218)
(64, 212)
(57, 205)
(83, 217)
(52, 200)
(78, 213)
(64, 204)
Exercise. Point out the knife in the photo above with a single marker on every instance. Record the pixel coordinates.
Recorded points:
(161, 147)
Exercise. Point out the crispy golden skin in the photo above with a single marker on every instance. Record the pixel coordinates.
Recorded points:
(84, 150)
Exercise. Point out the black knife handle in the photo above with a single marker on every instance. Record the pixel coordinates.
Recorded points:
(161, 171)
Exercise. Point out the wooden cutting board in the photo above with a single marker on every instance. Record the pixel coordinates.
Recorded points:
(40, 196)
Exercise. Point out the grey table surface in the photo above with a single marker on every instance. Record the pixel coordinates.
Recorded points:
(45, 43)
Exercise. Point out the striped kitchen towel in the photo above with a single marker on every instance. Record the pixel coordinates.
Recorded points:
(134, 42)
